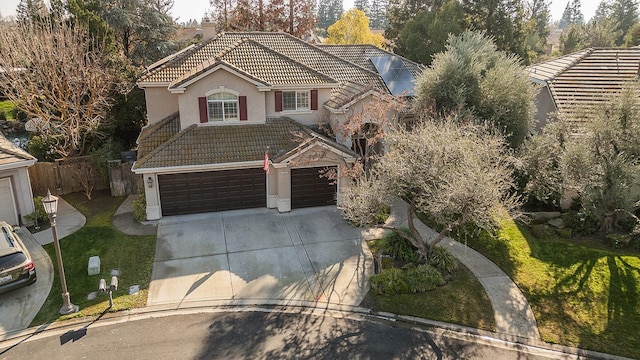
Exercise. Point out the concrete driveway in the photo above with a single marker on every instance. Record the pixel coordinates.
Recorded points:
(19, 307)
(259, 256)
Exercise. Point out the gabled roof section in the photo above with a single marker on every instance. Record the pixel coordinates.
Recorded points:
(348, 93)
(548, 70)
(12, 154)
(272, 68)
(362, 54)
(209, 145)
(591, 79)
(290, 49)
(156, 134)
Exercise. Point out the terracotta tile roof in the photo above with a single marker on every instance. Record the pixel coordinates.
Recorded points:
(156, 134)
(291, 48)
(11, 153)
(205, 145)
(360, 55)
(345, 94)
(588, 78)
(272, 68)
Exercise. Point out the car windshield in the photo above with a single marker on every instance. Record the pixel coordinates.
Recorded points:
(11, 260)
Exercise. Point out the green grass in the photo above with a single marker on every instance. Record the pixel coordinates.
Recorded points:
(7, 108)
(581, 295)
(461, 301)
(132, 255)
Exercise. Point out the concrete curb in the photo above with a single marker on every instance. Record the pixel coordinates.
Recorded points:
(525, 345)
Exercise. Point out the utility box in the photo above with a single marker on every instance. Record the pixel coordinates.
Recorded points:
(94, 265)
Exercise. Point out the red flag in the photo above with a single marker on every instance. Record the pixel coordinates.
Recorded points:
(266, 163)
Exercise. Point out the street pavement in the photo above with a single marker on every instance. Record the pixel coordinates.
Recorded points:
(259, 256)
(270, 334)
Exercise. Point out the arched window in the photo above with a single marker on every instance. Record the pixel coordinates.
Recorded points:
(223, 106)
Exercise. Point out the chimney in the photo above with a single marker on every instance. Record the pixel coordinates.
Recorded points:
(208, 29)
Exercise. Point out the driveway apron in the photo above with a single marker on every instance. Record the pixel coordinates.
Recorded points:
(260, 256)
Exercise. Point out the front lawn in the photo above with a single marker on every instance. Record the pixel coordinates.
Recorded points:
(461, 301)
(131, 255)
(581, 296)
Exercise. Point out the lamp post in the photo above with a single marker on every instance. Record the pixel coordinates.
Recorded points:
(50, 203)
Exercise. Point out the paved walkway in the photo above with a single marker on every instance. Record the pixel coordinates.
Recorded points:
(18, 308)
(512, 312)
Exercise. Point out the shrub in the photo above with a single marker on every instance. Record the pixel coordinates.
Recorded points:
(399, 248)
(442, 260)
(139, 206)
(423, 278)
(390, 281)
(583, 224)
(383, 214)
(617, 241)
(39, 214)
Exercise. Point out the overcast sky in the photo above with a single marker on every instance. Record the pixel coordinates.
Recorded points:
(195, 9)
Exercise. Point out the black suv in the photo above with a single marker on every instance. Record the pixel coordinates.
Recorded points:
(16, 267)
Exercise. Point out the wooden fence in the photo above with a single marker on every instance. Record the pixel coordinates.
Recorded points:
(77, 174)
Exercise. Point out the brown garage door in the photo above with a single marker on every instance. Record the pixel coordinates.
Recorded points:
(308, 188)
(209, 191)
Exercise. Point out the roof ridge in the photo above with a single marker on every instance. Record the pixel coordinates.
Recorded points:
(152, 128)
(285, 57)
(231, 47)
(171, 140)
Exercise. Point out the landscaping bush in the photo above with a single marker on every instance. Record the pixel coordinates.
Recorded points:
(139, 206)
(383, 214)
(617, 241)
(442, 260)
(390, 281)
(398, 247)
(423, 278)
(582, 224)
(39, 212)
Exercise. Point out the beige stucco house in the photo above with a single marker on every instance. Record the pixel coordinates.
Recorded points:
(574, 84)
(16, 198)
(215, 109)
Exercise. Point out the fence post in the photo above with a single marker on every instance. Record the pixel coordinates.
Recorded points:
(116, 181)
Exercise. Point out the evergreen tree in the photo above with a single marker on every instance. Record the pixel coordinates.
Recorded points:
(378, 16)
(329, 12)
(625, 14)
(31, 10)
(500, 19)
(572, 14)
(427, 33)
(362, 5)
(401, 11)
(536, 27)
(603, 11)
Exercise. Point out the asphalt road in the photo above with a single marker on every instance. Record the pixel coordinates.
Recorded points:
(262, 335)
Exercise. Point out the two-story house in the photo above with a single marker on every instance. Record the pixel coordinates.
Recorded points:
(222, 112)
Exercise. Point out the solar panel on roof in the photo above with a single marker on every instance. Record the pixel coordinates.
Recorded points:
(395, 74)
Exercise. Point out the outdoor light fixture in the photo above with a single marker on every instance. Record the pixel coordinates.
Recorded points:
(150, 182)
(50, 204)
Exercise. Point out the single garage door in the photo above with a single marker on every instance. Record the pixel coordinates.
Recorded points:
(209, 191)
(308, 188)
(8, 211)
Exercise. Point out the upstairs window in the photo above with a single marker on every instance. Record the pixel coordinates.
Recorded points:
(223, 106)
(295, 100)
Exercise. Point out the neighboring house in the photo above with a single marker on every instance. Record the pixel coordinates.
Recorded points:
(215, 109)
(16, 198)
(575, 84)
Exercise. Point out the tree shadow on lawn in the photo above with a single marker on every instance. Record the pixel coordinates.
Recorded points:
(592, 297)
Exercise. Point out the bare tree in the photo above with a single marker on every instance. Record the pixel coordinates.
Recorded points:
(454, 172)
(60, 78)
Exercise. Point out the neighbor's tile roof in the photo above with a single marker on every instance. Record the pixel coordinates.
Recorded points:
(361, 55)
(584, 80)
(345, 94)
(203, 145)
(293, 50)
(11, 153)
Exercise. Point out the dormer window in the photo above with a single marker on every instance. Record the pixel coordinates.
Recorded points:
(223, 106)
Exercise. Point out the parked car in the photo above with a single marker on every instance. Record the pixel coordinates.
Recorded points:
(16, 266)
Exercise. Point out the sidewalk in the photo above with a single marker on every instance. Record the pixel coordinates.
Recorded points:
(512, 312)
(68, 221)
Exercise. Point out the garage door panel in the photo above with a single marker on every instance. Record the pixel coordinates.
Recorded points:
(309, 188)
(212, 191)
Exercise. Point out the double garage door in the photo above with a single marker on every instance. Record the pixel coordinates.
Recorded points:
(210, 191)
